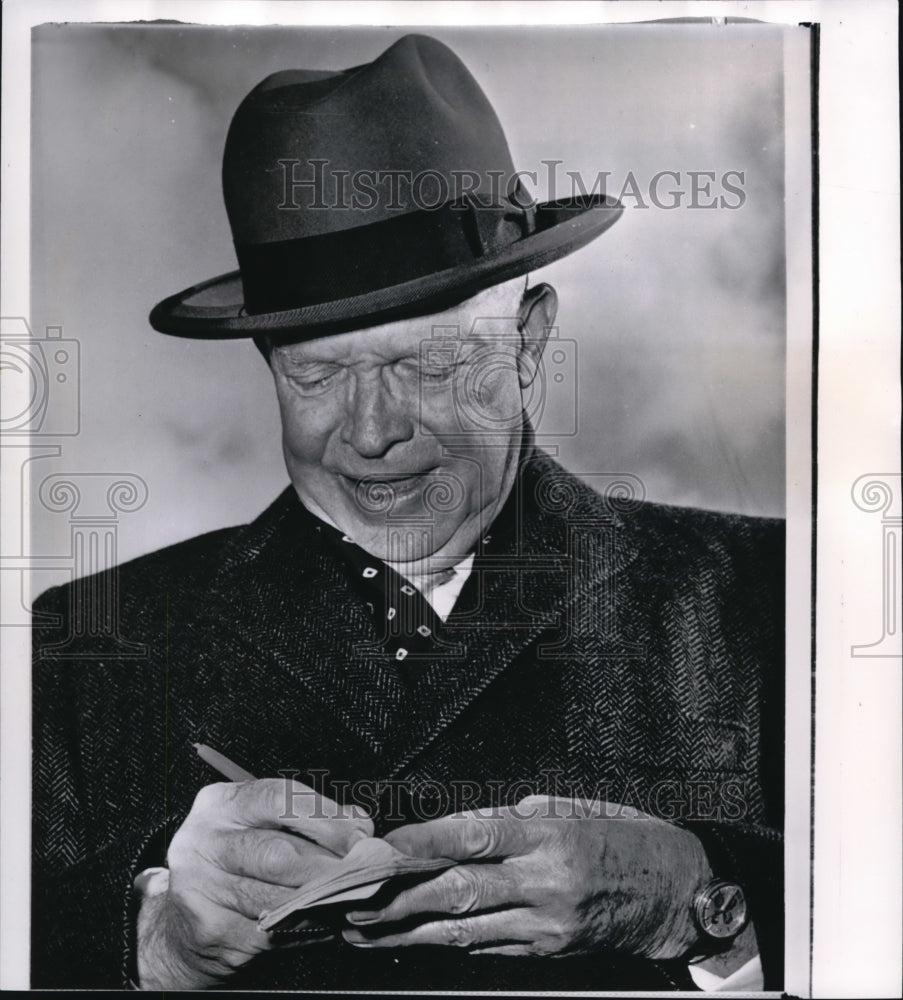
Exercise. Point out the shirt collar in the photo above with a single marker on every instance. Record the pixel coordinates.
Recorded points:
(440, 589)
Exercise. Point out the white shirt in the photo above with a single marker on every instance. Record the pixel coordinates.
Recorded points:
(442, 596)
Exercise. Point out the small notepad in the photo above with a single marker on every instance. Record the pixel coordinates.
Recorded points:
(359, 875)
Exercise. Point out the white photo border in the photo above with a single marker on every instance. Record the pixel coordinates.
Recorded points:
(854, 926)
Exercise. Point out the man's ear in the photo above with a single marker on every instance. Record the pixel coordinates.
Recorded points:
(263, 344)
(538, 309)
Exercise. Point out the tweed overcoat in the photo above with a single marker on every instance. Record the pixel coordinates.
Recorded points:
(601, 647)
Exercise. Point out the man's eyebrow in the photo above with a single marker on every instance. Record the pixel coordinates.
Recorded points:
(296, 362)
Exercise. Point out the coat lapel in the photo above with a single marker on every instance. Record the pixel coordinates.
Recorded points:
(280, 606)
(544, 577)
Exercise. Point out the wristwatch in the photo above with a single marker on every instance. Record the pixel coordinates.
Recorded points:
(720, 912)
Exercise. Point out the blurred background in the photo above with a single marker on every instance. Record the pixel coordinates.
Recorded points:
(673, 321)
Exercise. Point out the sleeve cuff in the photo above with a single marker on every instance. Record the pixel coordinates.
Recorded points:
(151, 882)
(747, 978)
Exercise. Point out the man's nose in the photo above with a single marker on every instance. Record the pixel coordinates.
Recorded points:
(376, 419)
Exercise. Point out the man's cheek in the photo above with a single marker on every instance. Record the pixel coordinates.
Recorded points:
(306, 431)
(491, 404)
(437, 411)
(300, 451)
(477, 477)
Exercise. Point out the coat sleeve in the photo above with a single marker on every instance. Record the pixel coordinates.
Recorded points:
(81, 876)
(753, 857)
(752, 853)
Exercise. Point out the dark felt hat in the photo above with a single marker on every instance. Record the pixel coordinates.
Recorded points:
(366, 195)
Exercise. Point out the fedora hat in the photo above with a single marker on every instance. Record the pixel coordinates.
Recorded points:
(370, 194)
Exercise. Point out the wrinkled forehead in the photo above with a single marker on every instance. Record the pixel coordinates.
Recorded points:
(487, 317)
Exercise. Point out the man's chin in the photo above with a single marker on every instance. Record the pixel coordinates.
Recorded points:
(410, 546)
(390, 520)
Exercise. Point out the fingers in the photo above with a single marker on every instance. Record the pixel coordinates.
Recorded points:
(277, 803)
(242, 833)
(465, 836)
(272, 856)
(510, 950)
(505, 928)
(247, 897)
(461, 890)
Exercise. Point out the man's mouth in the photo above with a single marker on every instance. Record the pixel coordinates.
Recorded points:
(378, 492)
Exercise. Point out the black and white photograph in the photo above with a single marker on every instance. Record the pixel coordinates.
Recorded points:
(415, 463)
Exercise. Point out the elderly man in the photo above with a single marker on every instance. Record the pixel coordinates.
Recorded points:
(435, 636)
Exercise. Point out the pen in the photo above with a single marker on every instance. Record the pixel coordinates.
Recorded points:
(219, 762)
(233, 772)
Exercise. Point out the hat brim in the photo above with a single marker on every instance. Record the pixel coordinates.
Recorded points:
(215, 310)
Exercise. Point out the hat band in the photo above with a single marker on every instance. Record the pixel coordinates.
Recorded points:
(291, 274)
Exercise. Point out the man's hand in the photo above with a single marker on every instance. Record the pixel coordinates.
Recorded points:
(546, 877)
(243, 848)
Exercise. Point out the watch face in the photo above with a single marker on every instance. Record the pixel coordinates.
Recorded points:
(721, 909)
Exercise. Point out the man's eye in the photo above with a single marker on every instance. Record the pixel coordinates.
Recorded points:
(430, 374)
(311, 385)
(436, 374)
